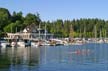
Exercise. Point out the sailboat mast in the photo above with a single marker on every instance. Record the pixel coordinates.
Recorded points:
(95, 33)
(39, 31)
(100, 34)
(45, 31)
(80, 35)
(105, 34)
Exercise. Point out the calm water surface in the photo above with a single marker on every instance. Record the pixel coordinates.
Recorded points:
(88, 57)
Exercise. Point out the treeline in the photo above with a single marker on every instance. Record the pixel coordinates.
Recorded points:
(79, 27)
(84, 27)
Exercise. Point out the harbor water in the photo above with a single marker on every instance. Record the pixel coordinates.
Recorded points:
(87, 57)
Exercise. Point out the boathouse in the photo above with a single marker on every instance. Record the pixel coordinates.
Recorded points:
(31, 32)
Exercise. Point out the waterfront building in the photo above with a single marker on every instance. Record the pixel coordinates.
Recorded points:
(31, 32)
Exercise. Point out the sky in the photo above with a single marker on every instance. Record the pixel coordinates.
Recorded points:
(59, 9)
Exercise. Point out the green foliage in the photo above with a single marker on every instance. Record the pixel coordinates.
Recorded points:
(4, 18)
(83, 27)
(31, 18)
(9, 27)
(13, 27)
(79, 27)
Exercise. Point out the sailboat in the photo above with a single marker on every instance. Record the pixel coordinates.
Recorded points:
(81, 40)
(106, 40)
(100, 39)
(45, 42)
(36, 43)
(95, 37)
(14, 40)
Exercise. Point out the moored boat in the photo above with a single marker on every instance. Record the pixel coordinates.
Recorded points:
(4, 43)
(21, 43)
(35, 44)
(13, 44)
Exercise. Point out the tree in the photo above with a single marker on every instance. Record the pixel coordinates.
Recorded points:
(17, 16)
(32, 18)
(4, 18)
(12, 28)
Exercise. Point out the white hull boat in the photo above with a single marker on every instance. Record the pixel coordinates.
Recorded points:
(14, 44)
(21, 44)
(4, 43)
(35, 44)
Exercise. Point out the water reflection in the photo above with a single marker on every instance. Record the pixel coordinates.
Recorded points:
(55, 58)
(18, 58)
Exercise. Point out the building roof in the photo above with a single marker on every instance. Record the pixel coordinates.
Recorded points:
(33, 28)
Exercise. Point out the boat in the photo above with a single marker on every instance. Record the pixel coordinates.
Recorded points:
(45, 43)
(4, 43)
(13, 44)
(78, 42)
(56, 42)
(35, 44)
(21, 43)
(101, 40)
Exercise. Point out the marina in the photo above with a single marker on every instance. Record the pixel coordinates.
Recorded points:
(34, 49)
(53, 35)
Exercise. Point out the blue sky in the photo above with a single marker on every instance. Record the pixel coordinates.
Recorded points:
(59, 9)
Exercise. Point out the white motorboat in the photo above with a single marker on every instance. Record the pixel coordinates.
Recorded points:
(46, 44)
(4, 43)
(21, 43)
(35, 44)
(14, 44)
